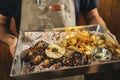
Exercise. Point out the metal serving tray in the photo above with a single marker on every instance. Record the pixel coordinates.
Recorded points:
(58, 73)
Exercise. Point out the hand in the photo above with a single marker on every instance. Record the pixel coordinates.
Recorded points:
(12, 46)
(113, 37)
(11, 41)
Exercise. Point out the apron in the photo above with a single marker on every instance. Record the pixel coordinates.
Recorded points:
(47, 14)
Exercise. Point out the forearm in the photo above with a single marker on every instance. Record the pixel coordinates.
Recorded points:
(97, 20)
(2, 25)
(93, 17)
(4, 30)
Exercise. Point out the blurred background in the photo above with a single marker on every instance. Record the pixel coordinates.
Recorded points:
(109, 11)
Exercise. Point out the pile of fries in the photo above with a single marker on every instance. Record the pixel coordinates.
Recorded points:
(84, 42)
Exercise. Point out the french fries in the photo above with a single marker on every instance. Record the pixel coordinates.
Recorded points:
(84, 42)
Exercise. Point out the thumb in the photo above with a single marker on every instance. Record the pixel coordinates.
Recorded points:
(12, 46)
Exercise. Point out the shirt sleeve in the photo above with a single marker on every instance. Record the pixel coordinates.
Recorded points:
(87, 5)
(4, 8)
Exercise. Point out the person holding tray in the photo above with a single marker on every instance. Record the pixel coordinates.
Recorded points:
(11, 10)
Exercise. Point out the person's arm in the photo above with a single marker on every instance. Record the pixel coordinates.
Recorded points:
(93, 17)
(5, 37)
